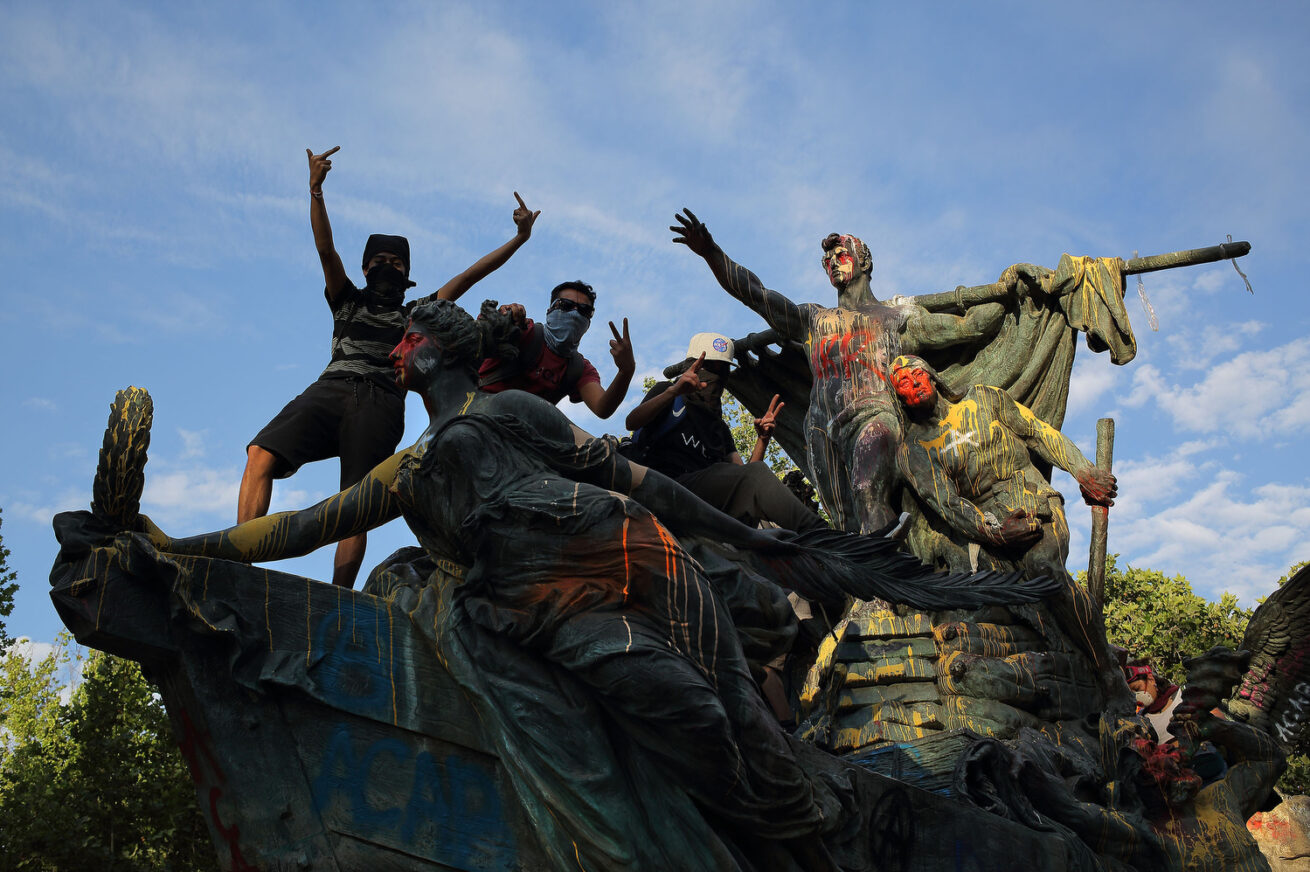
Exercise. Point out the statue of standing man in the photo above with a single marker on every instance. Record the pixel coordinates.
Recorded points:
(851, 427)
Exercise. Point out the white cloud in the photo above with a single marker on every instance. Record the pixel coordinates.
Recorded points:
(193, 443)
(40, 511)
(1093, 376)
(1254, 395)
(45, 405)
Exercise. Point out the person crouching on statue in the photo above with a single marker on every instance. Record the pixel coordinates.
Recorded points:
(679, 430)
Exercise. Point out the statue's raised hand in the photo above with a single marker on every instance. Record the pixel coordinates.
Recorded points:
(319, 165)
(693, 234)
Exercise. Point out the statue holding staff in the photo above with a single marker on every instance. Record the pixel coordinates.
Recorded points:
(563, 581)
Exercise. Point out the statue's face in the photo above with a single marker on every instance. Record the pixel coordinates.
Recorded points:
(845, 259)
(914, 387)
(415, 359)
(840, 263)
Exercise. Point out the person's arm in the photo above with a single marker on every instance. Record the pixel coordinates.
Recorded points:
(655, 404)
(604, 402)
(764, 427)
(779, 312)
(1098, 487)
(489, 263)
(334, 273)
(362, 507)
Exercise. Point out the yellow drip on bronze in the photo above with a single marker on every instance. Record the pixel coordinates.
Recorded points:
(391, 662)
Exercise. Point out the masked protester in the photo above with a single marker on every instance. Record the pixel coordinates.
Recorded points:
(679, 430)
(549, 364)
(354, 411)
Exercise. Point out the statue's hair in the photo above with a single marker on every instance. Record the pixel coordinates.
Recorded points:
(465, 340)
(863, 258)
(916, 362)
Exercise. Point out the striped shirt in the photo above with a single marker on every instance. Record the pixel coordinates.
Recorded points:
(363, 338)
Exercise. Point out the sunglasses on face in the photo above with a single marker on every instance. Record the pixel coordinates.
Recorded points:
(564, 305)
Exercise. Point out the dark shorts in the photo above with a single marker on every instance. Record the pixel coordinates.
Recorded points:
(355, 419)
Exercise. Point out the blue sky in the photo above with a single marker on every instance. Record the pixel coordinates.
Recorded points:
(154, 211)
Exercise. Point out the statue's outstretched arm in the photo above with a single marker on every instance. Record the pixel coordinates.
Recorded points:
(926, 330)
(360, 508)
(1098, 486)
(784, 316)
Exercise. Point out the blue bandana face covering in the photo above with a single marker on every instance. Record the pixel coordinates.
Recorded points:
(564, 331)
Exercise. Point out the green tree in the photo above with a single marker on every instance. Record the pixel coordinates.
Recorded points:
(8, 586)
(95, 782)
(1161, 618)
(1155, 616)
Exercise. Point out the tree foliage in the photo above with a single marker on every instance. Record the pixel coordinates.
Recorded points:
(8, 586)
(95, 782)
(1159, 617)
(1155, 616)
(742, 424)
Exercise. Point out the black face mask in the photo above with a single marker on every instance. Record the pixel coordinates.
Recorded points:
(386, 286)
(713, 402)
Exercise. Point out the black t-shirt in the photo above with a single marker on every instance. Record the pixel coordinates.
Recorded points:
(686, 438)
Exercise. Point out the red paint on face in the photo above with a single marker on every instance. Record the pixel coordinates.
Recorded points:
(409, 357)
(914, 387)
(840, 265)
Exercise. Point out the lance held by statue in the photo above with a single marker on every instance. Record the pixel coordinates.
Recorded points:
(563, 562)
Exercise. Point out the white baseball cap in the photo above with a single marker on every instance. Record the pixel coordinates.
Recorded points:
(715, 346)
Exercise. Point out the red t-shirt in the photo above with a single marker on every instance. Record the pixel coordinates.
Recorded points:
(542, 379)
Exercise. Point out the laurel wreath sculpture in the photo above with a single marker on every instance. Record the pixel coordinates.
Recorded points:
(120, 472)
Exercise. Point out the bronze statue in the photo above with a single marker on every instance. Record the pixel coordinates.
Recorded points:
(551, 548)
(851, 428)
(970, 460)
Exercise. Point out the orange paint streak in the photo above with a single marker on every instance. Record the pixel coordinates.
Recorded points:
(627, 566)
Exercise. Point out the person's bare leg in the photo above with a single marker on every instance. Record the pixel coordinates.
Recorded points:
(256, 484)
(350, 556)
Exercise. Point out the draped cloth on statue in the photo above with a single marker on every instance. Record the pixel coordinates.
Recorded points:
(1031, 356)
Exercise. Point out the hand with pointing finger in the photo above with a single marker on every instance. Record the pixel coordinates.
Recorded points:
(319, 165)
(524, 217)
(689, 382)
(621, 349)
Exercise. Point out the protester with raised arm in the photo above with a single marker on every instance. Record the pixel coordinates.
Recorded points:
(354, 410)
